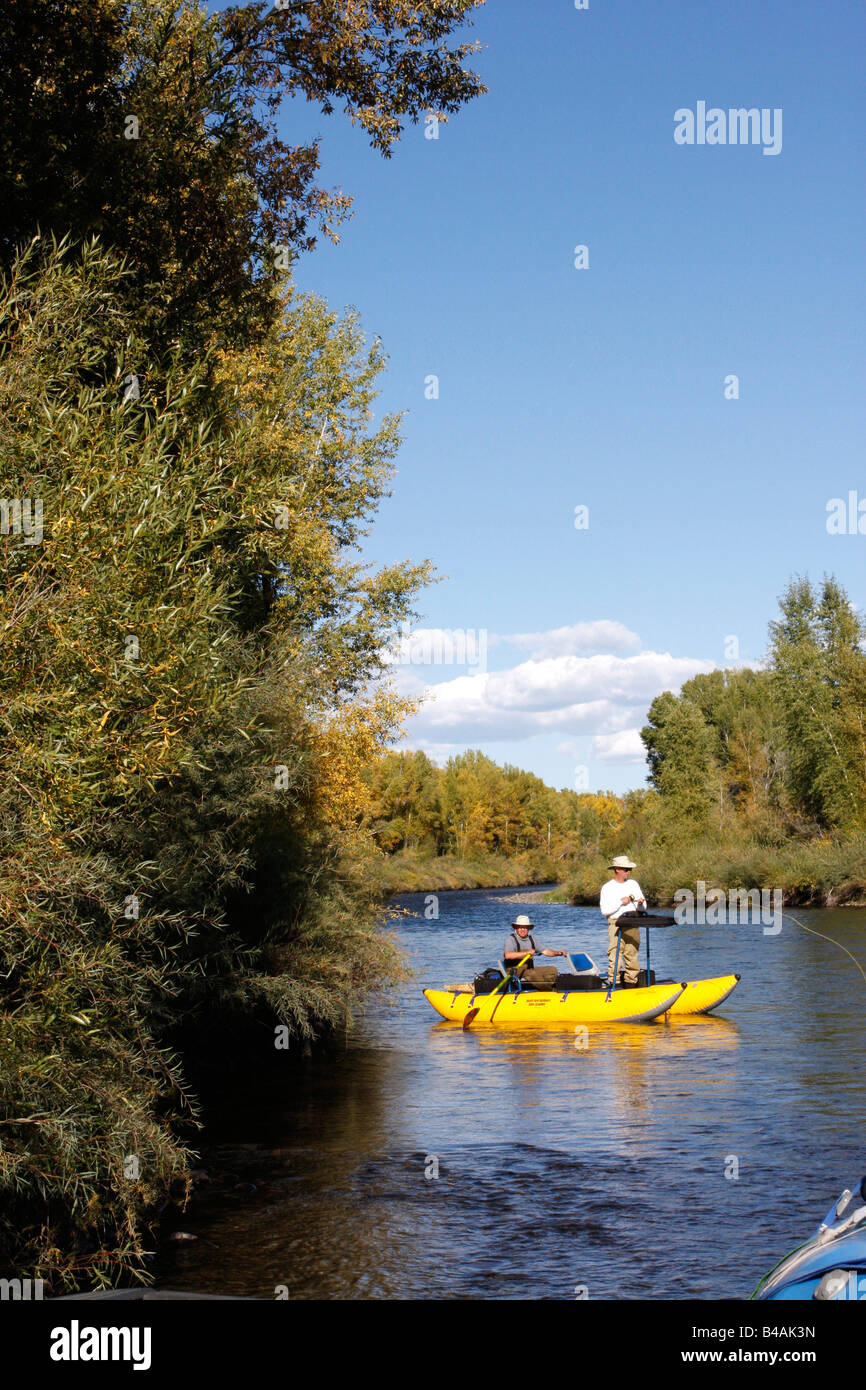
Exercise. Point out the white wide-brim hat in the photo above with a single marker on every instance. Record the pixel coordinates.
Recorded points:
(522, 921)
(622, 861)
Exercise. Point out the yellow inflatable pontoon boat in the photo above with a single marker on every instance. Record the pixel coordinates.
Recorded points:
(536, 1008)
(500, 998)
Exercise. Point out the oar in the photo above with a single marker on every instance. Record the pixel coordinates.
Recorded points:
(472, 1014)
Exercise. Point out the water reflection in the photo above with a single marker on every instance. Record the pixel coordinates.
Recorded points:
(618, 1149)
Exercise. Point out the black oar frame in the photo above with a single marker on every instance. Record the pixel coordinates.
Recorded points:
(638, 919)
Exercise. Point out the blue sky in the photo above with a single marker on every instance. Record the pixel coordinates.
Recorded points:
(605, 386)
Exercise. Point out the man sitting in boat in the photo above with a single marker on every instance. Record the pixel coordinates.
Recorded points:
(622, 894)
(516, 946)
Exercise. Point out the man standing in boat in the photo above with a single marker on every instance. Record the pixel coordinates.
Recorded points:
(622, 894)
(519, 943)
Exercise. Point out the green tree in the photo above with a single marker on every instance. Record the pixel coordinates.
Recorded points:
(151, 124)
(174, 862)
(819, 670)
(679, 745)
(405, 802)
(741, 707)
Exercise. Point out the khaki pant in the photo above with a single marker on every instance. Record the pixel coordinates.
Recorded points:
(540, 975)
(629, 962)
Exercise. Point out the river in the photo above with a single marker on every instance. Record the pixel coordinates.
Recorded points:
(663, 1161)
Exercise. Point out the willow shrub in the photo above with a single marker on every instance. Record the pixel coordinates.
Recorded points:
(174, 666)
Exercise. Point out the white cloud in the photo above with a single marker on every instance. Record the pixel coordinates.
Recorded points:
(584, 683)
(408, 682)
(572, 694)
(438, 753)
(440, 646)
(604, 635)
(626, 746)
(468, 647)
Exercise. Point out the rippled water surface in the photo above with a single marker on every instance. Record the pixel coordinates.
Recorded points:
(559, 1168)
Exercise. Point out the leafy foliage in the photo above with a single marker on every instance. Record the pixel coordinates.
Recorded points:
(472, 808)
(191, 685)
(819, 668)
(151, 124)
(781, 749)
(182, 680)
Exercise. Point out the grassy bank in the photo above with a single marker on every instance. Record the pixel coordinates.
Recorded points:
(819, 873)
(411, 873)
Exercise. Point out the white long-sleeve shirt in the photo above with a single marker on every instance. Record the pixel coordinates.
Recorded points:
(612, 893)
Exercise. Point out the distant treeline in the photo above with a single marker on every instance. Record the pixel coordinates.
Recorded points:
(757, 777)
(781, 751)
(474, 807)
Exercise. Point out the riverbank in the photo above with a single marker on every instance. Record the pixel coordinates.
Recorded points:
(820, 873)
(410, 873)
